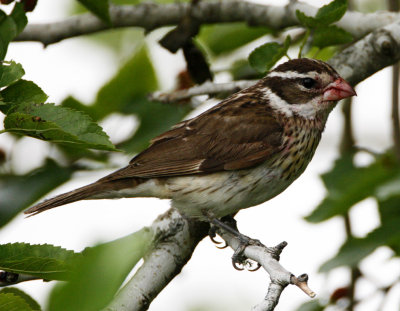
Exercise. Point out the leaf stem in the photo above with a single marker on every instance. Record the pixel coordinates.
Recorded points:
(395, 7)
(303, 42)
(395, 110)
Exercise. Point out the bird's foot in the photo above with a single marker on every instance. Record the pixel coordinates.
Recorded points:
(239, 260)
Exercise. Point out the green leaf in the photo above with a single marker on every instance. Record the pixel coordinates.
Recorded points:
(330, 35)
(133, 82)
(18, 192)
(313, 305)
(8, 30)
(265, 56)
(11, 302)
(332, 12)
(325, 16)
(155, 118)
(100, 272)
(11, 26)
(356, 249)
(307, 21)
(57, 124)
(19, 293)
(348, 185)
(22, 91)
(228, 37)
(44, 261)
(19, 17)
(390, 213)
(127, 93)
(73, 103)
(100, 8)
(242, 70)
(11, 72)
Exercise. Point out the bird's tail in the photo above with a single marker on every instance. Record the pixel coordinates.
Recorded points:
(82, 193)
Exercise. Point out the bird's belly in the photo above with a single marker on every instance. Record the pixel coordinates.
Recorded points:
(223, 193)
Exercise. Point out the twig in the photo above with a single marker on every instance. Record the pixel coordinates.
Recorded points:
(10, 278)
(151, 15)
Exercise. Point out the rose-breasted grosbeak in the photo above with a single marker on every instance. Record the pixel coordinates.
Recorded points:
(240, 153)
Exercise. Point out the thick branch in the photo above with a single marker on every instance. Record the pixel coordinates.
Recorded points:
(174, 245)
(359, 61)
(376, 51)
(151, 15)
(208, 88)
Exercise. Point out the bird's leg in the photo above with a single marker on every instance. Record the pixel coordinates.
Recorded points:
(212, 233)
(228, 224)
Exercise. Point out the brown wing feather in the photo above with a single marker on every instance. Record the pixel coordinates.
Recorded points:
(236, 134)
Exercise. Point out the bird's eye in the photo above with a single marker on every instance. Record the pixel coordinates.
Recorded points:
(308, 83)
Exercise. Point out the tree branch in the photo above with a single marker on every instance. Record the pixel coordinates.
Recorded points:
(359, 61)
(176, 239)
(207, 88)
(150, 16)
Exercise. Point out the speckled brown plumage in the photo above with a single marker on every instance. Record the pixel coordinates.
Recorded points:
(240, 153)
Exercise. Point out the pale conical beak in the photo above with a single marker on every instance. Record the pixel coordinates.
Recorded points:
(337, 90)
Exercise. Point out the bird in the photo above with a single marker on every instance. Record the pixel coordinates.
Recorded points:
(241, 152)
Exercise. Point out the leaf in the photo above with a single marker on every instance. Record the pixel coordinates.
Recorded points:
(100, 8)
(389, 213)
(330, 35)
(100, 272)
(11, 72)
(265, 56)
(134, 81)
(11, 26)
(57, 124)
(19, 293)
(155, 118)
(348, 185)
(356, 249)
(242, 70)
(388, 234)
(11, 302)
(44, 261)
(325, 16)
(313, 305)
(332, 12)
(22, 91)
(18, 192)
(225, 38)
(74, 104)
(127, 93)
(19, 17)
(307, 21)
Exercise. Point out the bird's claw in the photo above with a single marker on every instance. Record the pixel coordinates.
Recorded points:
(239, 258)
(212, 234)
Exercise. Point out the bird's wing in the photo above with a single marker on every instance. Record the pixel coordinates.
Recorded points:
(236, 134)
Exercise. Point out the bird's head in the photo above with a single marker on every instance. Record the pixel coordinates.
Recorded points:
(306, 88)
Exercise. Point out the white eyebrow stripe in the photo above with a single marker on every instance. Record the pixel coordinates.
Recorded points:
(292, 74)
